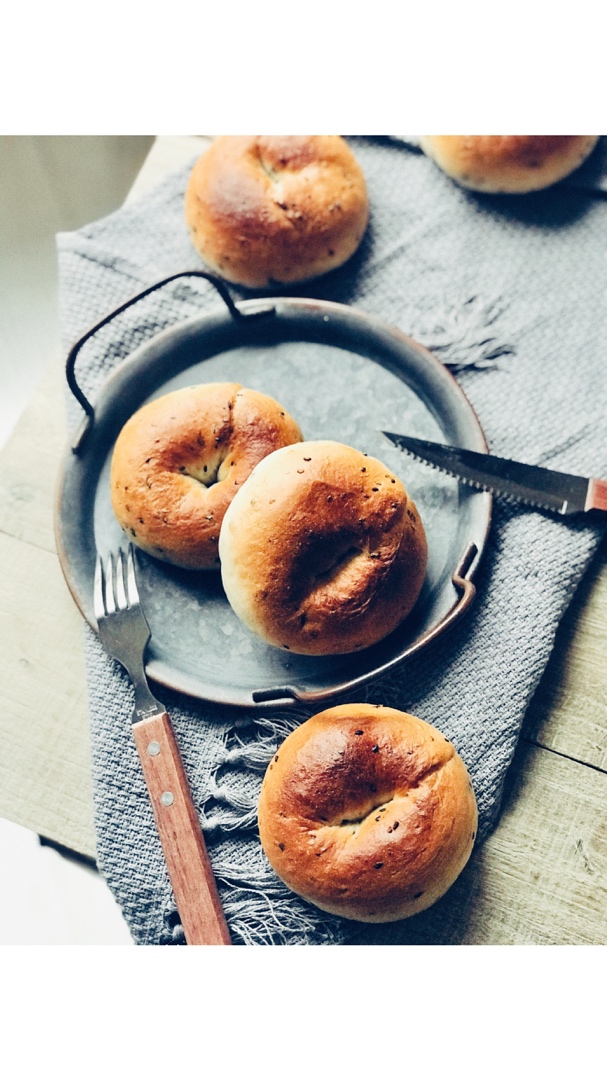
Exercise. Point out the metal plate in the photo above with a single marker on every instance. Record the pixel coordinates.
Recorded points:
(344, 376)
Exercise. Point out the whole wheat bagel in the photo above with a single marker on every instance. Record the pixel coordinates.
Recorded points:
(368, 813)
(508, 163)
(323, 551)
(179, 460)
(273, 209)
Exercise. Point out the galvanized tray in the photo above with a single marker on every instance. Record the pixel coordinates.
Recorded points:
(343, 375)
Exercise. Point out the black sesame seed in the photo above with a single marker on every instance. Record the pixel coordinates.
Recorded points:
(378, 865)
(282, 847)
(418, 894)
(359, 732)
(375, 750)
(396, 824)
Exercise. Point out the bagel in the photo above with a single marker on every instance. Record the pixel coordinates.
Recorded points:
(508, 163)
(323, 551)
(179, 460)
(274, 209)
(368, 813)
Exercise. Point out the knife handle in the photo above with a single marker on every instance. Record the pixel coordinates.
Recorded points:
(183, 845)
(596, 498)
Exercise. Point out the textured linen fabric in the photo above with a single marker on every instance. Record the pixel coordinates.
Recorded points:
(510, 291)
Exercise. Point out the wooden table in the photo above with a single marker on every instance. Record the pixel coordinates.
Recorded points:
(541, 878)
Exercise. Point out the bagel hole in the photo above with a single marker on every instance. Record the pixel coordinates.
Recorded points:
(361, 815)
(211, 472)
(270, 172)
(335, 564)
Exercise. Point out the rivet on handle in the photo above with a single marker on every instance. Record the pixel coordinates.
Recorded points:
(153, 748)
(167, 798)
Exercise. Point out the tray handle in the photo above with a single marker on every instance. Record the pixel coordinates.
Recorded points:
(70, 363)
(462, 580)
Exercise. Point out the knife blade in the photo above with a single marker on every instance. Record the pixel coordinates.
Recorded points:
(545, 489)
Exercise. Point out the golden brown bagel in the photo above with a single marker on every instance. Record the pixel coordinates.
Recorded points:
(508, 163)
(179, 460)
(274, 209)
(368, 813)
(323, 551)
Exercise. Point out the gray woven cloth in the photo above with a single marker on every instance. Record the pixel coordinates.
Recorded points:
(510, 292)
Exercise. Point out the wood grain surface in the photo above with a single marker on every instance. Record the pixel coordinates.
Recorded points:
(541, 878)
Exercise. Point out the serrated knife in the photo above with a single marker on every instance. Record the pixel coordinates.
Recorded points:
(544, 489)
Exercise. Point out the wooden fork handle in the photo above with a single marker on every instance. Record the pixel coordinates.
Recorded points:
(180, 834)
(596, 499)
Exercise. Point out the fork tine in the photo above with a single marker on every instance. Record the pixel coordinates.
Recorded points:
(133, 592)
(121, 600)
(98, 604)
(110, 603)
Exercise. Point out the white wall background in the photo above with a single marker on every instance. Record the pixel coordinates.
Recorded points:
(48, 184)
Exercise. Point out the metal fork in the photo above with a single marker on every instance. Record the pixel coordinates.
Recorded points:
(124, 634)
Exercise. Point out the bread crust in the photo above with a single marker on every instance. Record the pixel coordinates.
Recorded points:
(368, 813)
(275, 209)
(323, 551)
(179, 460)
(508, 163)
